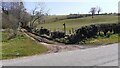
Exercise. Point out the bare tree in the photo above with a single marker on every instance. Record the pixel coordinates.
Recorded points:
(11, 15)
(93, 11)
(25, 18)
(37, 14)
(99, 10)
(13, 10)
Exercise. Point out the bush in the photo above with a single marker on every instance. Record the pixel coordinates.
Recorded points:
(57, 34)
(44, 31)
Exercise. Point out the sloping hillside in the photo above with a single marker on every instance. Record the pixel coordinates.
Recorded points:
(78, 22)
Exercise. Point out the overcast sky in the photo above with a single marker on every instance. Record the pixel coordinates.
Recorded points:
(63, 7)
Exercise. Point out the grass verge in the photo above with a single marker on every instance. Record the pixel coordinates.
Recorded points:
(101, 40)
(20, 46)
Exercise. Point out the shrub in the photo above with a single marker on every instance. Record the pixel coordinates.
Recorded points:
(57, 34)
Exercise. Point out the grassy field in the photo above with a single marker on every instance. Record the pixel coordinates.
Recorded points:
(20, 46)
(101, 40)
(78, 22)
(54, 17)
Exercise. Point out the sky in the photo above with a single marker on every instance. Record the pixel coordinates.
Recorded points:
(64, 7)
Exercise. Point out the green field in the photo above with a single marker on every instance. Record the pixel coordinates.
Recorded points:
(78, 22)
(54, 18)
(20, 46)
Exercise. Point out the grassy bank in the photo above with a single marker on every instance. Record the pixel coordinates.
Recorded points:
(20, 46)
(100, 40)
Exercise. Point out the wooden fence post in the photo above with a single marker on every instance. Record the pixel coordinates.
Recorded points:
(64, 28)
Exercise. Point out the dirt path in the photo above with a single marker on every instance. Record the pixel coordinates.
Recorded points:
(53, 48)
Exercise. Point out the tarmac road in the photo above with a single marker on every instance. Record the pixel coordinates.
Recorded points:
(98, 56)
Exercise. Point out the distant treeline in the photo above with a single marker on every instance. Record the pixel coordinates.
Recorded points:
(72, 16)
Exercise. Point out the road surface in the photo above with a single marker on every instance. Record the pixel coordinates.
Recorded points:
(99, 56)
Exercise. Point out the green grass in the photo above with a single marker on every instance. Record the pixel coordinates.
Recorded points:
(56, 16)
(0, 45)
(53, 18)
(78, 22)
(102, 40)
(0, 37)
(20, 46)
